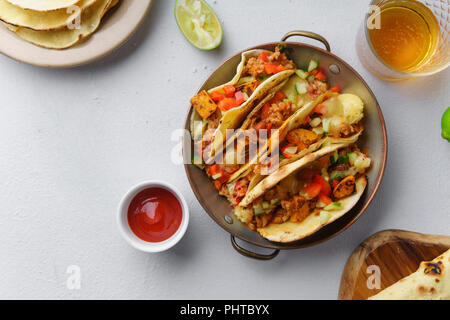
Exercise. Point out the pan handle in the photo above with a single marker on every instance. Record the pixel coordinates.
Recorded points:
(250, 254)
(307, 34)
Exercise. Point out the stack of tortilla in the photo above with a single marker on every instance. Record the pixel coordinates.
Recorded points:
(54, 24)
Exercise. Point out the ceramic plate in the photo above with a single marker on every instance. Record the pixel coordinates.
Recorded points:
(117, 26)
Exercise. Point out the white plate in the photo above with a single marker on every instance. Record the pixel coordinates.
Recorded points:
(117, 27)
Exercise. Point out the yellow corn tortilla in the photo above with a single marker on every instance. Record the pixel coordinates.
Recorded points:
(292, 231)
(430, 282)
(65, 38)
(43, 5)
(41, 20)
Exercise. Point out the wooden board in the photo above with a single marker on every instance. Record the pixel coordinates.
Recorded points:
(397, 253)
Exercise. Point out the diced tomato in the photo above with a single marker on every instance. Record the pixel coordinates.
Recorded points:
(265, 111)
(313, 190)
(227, 104)
(325, 186)
(224, 177)
(320, 76)
(334, 183)
(237, 200)
(263, 56)
(280, 68)
(217, 96)
(229, 90)
(314, 72)
(307, 120)
(285, 153)
(279, 96)
(270, 68)
(260, 125)
(326, 200)
(217, 184)
(240, 98)
(269, 126)
(321, 109)
(335, 89)
(213, 169)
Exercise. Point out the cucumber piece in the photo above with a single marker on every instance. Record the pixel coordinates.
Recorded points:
(258, 210)
(265, 204)
(301, 87)
(301, 73)
(313, 64)
(315, 122)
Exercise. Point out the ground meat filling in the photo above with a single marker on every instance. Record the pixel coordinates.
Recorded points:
(255, 65)
(279, 112)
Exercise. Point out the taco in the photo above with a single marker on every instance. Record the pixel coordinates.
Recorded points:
(226, 106)
(331, 115)
(302, 197)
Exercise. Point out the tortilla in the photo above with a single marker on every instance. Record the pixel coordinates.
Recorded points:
(65, 38)
(292, 231)
(43, 5)
(430, 282)
(41, 20)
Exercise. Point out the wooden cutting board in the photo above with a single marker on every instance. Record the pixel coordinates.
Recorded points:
(396, 253)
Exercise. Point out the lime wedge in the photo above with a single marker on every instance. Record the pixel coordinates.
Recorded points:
(198, 23)
(445, 123)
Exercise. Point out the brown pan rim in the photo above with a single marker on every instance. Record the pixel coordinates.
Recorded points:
(296, 244)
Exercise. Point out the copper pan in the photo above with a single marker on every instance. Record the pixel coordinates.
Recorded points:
(374, 138)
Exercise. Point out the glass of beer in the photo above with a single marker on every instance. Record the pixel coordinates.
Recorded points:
(402, 39)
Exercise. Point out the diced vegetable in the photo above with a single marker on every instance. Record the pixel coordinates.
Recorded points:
(265, 204)
(335, 89)
(227, 104)
(315, 122)
(203, 104)
(217, 176)
(258, 210)
(288, 151)
(326, 125)
(324, 217)
(313, 64)
(301, 87)
(337, 175)
(321, 109)
(325, 187)
(313, 190)
(263, 56)
(320, 76)
(239, 96)
(310, 78)
(217, 96)
(229, 90)
(270, 68)
(318, 131)
(301, 73)
(333, 206)
(279, 96)
(325, 199)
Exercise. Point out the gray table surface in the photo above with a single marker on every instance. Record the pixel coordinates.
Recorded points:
(72, 142)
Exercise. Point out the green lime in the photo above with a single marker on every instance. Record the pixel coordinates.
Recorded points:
(198, 23)
(445, 123)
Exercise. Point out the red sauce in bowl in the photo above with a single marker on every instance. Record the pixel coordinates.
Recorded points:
(154, 214)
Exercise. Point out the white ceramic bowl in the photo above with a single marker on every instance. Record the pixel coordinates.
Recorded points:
(129, 235)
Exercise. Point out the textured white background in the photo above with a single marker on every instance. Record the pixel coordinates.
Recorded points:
(72, 142)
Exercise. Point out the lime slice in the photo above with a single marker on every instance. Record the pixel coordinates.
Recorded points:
(445, 123)
(198, 23)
